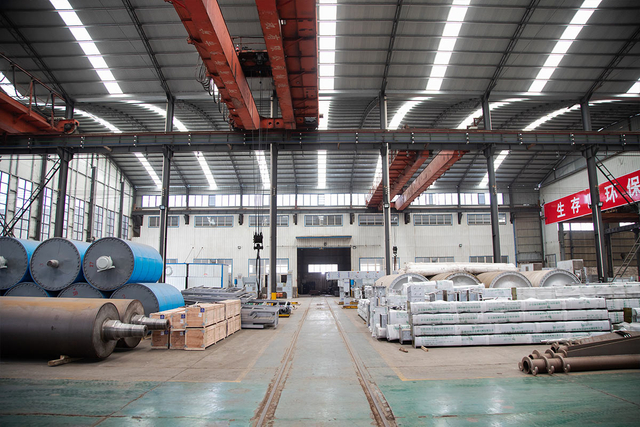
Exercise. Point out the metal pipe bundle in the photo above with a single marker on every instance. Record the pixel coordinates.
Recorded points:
(559, 363)
(27, 289)
(551, 278)
(15, 255)
(110, 263)
(57, 263)
(61, 326)
(504, 279)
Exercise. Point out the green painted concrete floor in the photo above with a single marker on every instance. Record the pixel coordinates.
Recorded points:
(226, 384)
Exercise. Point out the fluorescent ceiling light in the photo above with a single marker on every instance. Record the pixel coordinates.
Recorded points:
(406, 107)
(322, 169)
(264, 171)
(205, 169)
(496, 164)
(149, 169)
(562, 46)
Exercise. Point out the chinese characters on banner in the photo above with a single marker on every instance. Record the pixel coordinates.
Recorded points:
(578, 204)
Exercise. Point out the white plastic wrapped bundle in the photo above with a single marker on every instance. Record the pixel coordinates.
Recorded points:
(505, 305)
(513, 328)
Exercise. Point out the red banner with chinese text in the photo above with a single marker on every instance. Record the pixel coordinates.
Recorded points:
(577, 204)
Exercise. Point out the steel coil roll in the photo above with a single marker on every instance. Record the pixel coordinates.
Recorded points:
(110, 263)
(82, 290)
(504, 279)
(50, 327)
(154, 297)
(57, 263)
(551, 278)
(15, 255)
(28, 289)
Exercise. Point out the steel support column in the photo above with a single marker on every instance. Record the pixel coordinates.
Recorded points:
(92, 201)
(63, 174)
(598, 227)
(273, 220)
(69, 110)
(486, 113)
(609, 252)
(561, 241)
(386, 205)
(586, 115)
(493, 195)
(168, 123)
(167, 155)
(43, 174)
(636, 235)
(121, 213)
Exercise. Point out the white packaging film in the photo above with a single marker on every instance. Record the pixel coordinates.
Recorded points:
(466, 340)
(508, 317)
(512, 328)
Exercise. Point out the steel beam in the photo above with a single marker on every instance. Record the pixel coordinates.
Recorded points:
(208, 32)
(168, 121)
(598, 227)
(486, 113)
(43, 176)
(92, 201)
(63, 173)
(438, 166)
(16, 117)
(386, 202)
(273, 224)
(167, 155)
(121, 212)
(493, 196)
(392, 40)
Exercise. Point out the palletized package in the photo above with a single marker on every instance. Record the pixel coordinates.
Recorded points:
(620, 304)
(467, 340)
(398, 317)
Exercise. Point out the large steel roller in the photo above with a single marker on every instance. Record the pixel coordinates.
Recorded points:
(57, 263)
(51, 327)
(15, 255)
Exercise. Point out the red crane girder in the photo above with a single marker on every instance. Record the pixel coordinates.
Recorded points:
(434, 170)
(208, 32)
(18, 118)
(402, 166)
(299, 38)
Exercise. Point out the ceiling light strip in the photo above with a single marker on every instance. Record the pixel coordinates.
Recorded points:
(452, 27)
(562, 46)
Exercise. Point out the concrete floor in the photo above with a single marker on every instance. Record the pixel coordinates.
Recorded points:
(227, 384)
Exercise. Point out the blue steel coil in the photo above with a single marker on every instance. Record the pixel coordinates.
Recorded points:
(82, 290)
(154, 297)
(28, 289)
(15, 255)
(57, 263)
(110, 263)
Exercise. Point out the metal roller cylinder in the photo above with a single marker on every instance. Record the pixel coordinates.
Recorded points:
(395, 281)
(110, 263)
(57, 263)
(152, 324)
(458, 278)
(551, 278)
(15, 255)
(154, 297)
(580, 364)
(504, 279)
(82, 290)
(51, 327)
(27, 289)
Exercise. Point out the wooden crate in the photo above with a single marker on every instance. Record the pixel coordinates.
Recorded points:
(175, 316)
(200, 338)
(160, 340)
(233, 325)
(232, 307)
(201, 315)
(177, 339)
(221, 330)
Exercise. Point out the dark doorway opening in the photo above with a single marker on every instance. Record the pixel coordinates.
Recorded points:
(315, 282)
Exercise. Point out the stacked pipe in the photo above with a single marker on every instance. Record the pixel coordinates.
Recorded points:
(604, 352)
(496, 322)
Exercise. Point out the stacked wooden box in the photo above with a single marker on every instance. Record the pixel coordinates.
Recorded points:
(206, 325)
(174, 336)
(232, 308)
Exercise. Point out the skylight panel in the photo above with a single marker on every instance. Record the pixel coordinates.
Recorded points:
(61, 4)
(159, 111)
(377, 176)
(324, 105)
(327, 30)
(403, 111)
(70, 18)
(451, 30)
(89, 48)
(205, 169)
(550, 116)
(635, 89)
(264, 171)
(80, 33)
(478, 113)
(327, 12)
(496, 164)
(322, 169)
(562, 46)
(327, 57)
(152, 173)
(100, 120)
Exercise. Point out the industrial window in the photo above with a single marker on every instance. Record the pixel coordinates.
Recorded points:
(111, 223)
(323, 220)
(4, 192)
(198, 200)
(173, 221)
(97, 223)
(371, 264)
(485, 219)
(21, 229)
(488, 258)
(45, 228)
(125, 227)
(434, 259)
(178, 201)
(150, 201)
(432, 219)
(376, 219)
(322, 268)
(283, 221)
(580, 226)
(282, 266)
(251, 200)
(265, 220)
(78, 220)
(214, 221)
(225, 200)
(154, 221)
(172, 260)
(65, 219)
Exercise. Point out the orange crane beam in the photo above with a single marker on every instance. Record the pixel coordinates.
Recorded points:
(208, 32)
(441, 163)
(16, 118)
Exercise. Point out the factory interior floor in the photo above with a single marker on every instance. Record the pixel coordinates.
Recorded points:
(320, 366)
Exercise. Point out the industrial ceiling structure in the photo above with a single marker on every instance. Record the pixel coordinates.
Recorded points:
(253, 69)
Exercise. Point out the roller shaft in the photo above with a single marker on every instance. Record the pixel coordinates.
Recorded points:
(152, 324)
(115, 329)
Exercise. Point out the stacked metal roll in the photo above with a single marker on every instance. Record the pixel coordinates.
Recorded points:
(15, 255)
(155, 297)
(82, 290)
(459, 278)
(28, 289)
(551, 278)
(57, 263)
(504, 279)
